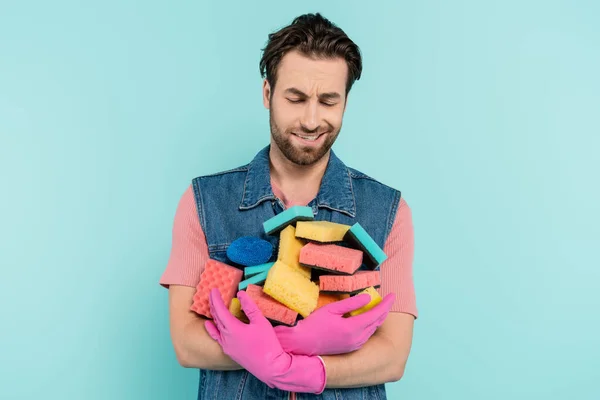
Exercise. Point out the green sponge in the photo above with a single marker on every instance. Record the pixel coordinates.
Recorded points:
(358, 238)
(255, 280)
(277, 223)
(257, 269)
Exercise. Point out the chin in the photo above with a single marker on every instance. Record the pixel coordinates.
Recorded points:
(301, 156)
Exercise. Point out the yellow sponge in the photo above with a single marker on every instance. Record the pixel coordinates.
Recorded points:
(235, 307)
(289, 287)
(321, 231)
(289, 250)
(375, 299)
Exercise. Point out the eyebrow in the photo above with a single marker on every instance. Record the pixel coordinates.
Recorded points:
(322, 96)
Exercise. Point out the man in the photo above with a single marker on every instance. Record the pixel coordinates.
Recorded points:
(310, 67)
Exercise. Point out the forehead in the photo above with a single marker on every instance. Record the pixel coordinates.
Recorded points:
(309, 74)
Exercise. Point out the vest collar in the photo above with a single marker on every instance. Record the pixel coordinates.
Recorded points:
(334, 193)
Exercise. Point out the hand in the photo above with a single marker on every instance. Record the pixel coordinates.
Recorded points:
(255, 347)
(326, 331)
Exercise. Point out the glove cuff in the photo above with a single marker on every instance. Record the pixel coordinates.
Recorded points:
(304, 374)
(322, 388)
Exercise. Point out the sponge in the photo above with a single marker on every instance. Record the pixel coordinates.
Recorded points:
(235, 308)
(321, 231)
(291, 288)
(375, 299)
(288, 217)
(215, 275)
(358, 238)
(351, 284)
(331, 257)
(289, 250)
(256, 279)
(325, 299)
(270, 308)
(249, 251)
(257, 269)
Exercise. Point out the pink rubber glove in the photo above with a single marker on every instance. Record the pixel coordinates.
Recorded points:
(255, 347)
(326, 331)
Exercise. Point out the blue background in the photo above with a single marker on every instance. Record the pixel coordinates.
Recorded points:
(484, 114)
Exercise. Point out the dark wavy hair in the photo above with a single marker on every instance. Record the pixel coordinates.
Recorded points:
(314, 36)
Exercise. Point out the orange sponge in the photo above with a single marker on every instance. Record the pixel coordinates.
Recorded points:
(325, 299)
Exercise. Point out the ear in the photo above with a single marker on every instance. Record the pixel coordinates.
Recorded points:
(266, 94)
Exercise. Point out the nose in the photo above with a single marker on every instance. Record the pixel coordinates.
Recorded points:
(310, 117)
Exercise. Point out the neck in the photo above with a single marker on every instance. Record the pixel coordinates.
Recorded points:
(299, 182)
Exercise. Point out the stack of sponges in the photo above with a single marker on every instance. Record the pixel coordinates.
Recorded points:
(317, 263)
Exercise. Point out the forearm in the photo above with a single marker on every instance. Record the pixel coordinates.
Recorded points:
(196, 349)
(377, 362)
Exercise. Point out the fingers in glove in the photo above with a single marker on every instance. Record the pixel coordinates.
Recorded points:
(212, 330)
(250, 308)
(352, 303)
(281, 329)
(221, 314)
(370, 329)
(377, 323)
(374, 314)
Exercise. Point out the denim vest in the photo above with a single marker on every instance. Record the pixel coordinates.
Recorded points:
(235, 203)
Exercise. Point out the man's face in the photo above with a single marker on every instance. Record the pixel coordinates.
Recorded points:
(306, 106)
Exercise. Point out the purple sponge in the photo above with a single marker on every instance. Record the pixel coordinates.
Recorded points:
(249, 251)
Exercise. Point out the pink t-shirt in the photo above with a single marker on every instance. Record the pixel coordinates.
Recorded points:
(189, 252)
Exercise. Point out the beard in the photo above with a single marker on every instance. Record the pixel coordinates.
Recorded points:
(300, 155)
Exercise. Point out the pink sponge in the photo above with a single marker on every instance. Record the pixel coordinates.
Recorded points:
(271, 308)
(331, 257)
(349, 283)
(216, 275)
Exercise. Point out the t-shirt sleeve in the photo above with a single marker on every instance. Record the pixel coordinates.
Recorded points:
(396, 270)
(189, 250)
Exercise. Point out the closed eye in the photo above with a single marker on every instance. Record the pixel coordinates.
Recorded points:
(302, 100)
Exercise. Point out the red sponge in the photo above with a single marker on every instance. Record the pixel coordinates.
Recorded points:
(349, 283)
(331, 257)
(269, 307)
(216, 275)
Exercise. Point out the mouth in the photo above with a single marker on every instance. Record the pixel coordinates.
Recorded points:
(309, 138)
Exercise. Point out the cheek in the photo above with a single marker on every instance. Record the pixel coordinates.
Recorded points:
(286, 116)
(334, 117)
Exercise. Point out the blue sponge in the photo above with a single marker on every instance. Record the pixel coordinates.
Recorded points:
(257, 269)
(255, 280)
(358, 238)
(249, 251)
(275, 224)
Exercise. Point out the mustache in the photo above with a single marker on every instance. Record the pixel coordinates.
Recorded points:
(319, 129)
